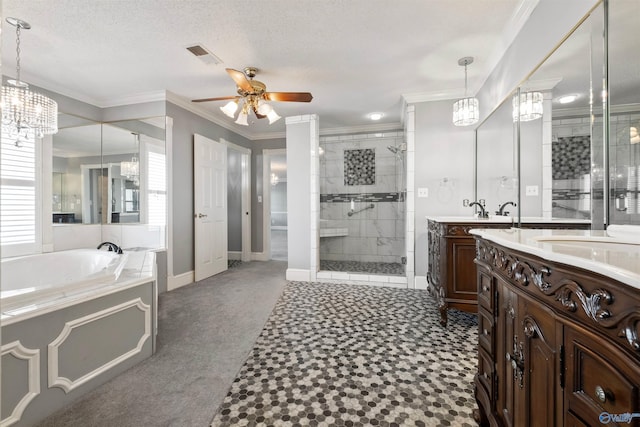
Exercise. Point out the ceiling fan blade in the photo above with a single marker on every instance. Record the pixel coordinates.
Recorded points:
(258, 115)
(240, 79)
(288, 96)
(222, 98)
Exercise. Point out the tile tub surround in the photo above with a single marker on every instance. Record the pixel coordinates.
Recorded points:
(334, 354)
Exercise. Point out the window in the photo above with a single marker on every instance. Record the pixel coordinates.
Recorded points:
(19, 197)
(157, 193)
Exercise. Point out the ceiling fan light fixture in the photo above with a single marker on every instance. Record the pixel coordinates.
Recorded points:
(242, 118)
(230, 108)
(264, 108)
(273, 116)
(466, 111)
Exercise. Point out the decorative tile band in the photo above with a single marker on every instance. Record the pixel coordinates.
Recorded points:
(362, 197)
(570, 194)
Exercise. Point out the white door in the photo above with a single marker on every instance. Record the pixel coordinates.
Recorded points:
(210, 206)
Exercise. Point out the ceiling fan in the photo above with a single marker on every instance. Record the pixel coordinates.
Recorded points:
(253, 96)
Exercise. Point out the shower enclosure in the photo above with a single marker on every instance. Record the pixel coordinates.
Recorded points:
(362, 203)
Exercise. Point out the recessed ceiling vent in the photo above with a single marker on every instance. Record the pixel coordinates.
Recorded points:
(204, 54)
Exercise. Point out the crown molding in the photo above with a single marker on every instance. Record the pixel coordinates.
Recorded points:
(136, 98)
(380, 127)
(441, 95)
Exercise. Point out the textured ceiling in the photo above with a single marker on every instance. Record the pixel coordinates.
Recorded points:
(355, 56)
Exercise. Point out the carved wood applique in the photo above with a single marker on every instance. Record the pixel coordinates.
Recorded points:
(596, 305)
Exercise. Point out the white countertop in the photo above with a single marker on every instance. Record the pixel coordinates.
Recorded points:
(614, 254)
(508, 219)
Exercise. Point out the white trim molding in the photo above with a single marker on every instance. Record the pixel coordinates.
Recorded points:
(55, 380)
(420, 282)
(32, 356)
(298, 275)
(259, 256)
(175, 282)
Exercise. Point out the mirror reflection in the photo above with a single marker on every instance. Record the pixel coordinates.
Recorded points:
(496, 163)
(109, 173)
(77, 171)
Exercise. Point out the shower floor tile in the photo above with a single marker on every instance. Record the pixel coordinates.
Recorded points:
(387, 268)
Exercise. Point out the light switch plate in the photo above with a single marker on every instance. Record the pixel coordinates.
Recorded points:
(423, 192)
(531, 190)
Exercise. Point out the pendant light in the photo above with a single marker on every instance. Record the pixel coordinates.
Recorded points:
(26, 115)
(527, 105)
(465, 110)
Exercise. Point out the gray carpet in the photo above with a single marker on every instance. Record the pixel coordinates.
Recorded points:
(206, 332)
(344, 355)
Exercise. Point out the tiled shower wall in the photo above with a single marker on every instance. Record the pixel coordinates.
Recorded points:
(360, 171)
(625, 168)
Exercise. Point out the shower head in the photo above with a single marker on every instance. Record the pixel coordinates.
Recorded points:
(395, 149)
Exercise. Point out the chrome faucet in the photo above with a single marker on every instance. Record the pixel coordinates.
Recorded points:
(501, 210)
(112, 247)
(483, 213)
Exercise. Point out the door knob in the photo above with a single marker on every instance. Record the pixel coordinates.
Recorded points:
(201, 215)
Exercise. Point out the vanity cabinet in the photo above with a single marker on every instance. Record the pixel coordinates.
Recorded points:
(451, 272)
(557, 345)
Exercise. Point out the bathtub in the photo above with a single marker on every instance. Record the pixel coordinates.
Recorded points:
(37, 278)
(70, 321)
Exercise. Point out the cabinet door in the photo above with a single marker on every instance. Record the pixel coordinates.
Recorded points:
(601, 380)
(537, 356)
(506, 331)
(464, 285)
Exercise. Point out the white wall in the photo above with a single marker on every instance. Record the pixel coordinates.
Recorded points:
(442, 150)
(302, 196)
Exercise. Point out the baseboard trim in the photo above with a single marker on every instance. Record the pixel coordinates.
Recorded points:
(259, 256)
(175, 282)
(420, 282)
(234, 255)
(298, 275)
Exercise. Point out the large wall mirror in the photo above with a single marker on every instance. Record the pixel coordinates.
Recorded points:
(554, 121)
(624, 106)
(109, 173)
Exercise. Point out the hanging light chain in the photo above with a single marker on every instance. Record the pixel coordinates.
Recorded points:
(18, 53)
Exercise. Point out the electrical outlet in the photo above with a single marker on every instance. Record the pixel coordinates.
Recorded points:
(465, 203)
(531, 190)
(259, 199)
(423, 192)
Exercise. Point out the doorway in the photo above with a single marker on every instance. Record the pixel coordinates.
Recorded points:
(275, 206)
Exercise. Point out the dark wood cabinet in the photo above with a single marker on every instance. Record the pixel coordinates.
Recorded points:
(557, 345)
(451, 271)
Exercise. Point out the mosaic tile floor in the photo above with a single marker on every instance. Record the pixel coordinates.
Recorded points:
(388, 268)
(344, 355)
(232, 263)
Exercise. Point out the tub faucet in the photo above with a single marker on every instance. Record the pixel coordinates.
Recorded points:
(483, 213)
(112, 247)
(501, 210)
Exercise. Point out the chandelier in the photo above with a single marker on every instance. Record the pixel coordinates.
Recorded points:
(465, 110)
(131, 169)
(26, 115)
(249, 102)
(528, 105)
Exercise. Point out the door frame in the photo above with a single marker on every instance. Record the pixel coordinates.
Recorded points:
(246, 197)
(266, 198)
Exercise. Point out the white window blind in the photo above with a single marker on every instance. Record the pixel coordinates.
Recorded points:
(157, 193)
(19, 232)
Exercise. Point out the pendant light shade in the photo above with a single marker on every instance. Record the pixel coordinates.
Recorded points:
(26, 114)
(528, 106)
(466, 111)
